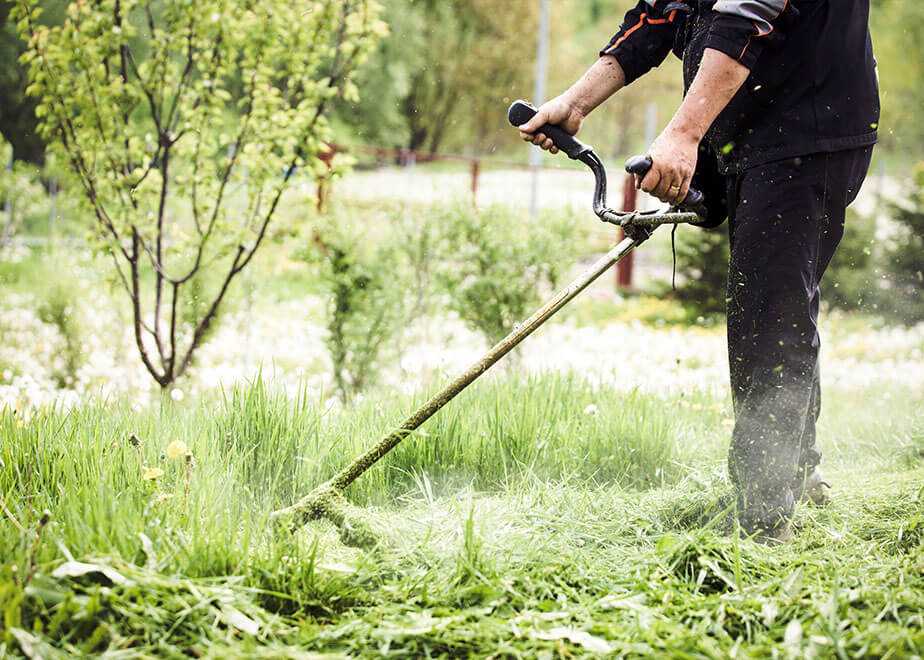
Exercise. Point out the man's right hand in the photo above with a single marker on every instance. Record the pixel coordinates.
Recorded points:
(569, 110)
(558, 112)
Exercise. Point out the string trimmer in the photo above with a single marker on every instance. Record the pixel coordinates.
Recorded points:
(327, 501)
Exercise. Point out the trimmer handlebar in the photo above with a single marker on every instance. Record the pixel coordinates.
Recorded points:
(691, 211)
(521, 112)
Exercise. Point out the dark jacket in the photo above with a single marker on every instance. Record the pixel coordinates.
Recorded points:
(813, 85)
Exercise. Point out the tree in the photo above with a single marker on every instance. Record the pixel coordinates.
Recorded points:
(17, 112)
(702, 261)
(445, 74)
(851, 279)
(386, 78)
(898, 34)
(184, 123)
(21, 194)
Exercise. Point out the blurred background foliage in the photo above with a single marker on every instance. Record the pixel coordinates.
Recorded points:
(437, 81)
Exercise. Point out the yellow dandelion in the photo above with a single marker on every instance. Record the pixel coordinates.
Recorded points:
(177, 449)
(151, 473)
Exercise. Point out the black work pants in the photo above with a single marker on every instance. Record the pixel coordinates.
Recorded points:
(785, 221)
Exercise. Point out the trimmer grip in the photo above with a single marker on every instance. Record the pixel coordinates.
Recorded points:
(521, 112)
(639, 165)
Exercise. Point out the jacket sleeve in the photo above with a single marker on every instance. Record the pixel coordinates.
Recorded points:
(742, 28)
(644, 40)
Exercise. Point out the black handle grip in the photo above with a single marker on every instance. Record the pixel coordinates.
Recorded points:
(639, 165)
(521, 112)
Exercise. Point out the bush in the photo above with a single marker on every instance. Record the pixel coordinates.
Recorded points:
(22, 197)
(57, 308)
(904, 256)
(365, 303)
(702, 270)
(850, 281)
(419, 247)
(496, 268)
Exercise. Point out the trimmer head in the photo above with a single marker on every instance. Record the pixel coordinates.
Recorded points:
(328, 503)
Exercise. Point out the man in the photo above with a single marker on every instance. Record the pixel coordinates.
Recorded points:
(777, 125)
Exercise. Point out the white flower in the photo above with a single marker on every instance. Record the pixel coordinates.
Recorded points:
(176, 394)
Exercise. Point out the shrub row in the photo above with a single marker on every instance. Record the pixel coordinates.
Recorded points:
(483, 265)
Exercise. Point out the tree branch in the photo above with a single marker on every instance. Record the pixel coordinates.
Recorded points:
(136, 314)
(209, 316)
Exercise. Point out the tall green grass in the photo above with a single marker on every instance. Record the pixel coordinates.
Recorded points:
(524, 514)
(255, 449)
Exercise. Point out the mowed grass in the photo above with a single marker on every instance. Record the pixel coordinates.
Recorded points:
(532, 517)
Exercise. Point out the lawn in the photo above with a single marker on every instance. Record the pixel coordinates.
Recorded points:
(534, 517)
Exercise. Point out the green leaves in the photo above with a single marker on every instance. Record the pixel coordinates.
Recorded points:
(496, 269)
(365, 302)
(23, 197)
(184, 123)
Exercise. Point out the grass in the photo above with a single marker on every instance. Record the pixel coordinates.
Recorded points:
(523, 522)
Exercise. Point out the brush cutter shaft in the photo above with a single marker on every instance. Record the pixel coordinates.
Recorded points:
(521, 332)
(650, 220)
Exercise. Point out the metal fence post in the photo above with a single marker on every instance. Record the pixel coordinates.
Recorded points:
(624, 267)
(542, 67)
(476, 172)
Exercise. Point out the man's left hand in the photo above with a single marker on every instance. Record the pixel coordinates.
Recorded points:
(673, 157)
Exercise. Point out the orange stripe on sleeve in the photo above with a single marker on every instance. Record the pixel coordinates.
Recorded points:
(641, 22)
(643, 19)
